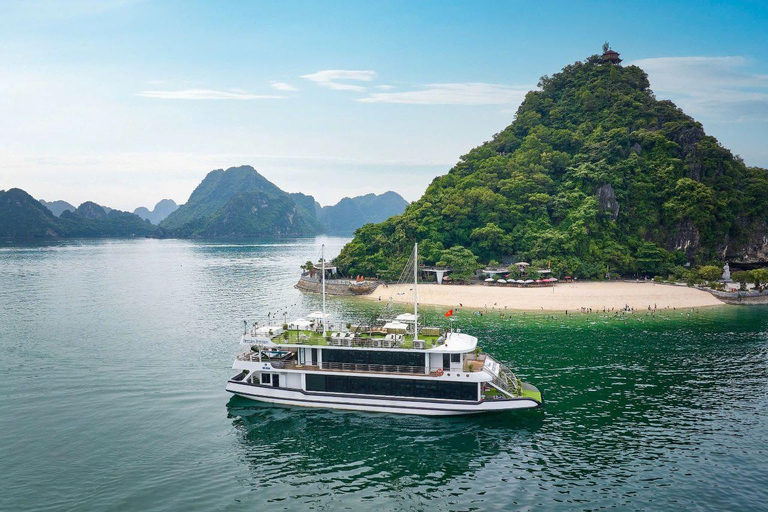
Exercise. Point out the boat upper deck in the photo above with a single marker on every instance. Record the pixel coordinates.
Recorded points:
(449, 342)
(471, 363)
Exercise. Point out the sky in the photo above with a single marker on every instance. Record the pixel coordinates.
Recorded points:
(126, 102)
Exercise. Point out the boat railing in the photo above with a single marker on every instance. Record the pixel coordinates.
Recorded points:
(504, 379)
(377, 368)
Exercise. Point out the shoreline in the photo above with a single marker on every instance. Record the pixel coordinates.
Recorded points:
(575, 297)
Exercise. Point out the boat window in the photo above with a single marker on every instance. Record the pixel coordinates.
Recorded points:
(373, 357)
(276, 380)
(446, 361)
(266, 378)
(455, 358)
(420, 388)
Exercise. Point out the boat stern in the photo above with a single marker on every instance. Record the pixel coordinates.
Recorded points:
(531, 391)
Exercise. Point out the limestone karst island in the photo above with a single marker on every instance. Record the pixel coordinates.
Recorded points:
(390, 256)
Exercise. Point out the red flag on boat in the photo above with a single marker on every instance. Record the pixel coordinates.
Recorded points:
(449, 313)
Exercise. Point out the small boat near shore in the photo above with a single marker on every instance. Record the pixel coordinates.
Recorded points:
(385, 365)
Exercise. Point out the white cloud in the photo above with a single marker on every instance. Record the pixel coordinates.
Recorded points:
(453, 94)
(205, 94)
(330, 78)
(716, 88)
(384, 87)
(282, 86)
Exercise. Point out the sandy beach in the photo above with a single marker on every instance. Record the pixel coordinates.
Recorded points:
(563, 296)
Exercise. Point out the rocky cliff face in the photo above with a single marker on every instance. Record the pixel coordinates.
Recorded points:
(607, 197)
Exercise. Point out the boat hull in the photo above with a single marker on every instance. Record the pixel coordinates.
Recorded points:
(297, 397)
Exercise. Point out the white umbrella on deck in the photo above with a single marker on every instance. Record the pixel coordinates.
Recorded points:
(300, 324)
(395, 326)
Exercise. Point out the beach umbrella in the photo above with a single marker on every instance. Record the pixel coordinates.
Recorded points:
(489, 280)
(520, 281)
(502, 281)
(528, 281)
(318, 315)
(406, 317)
(554, 279)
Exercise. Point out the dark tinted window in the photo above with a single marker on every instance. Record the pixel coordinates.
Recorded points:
(315, 382)
(455, 358)
(265, 378)
(421, 388)
(373, 357)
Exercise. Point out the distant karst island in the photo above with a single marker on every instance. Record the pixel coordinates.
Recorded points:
(234, 203)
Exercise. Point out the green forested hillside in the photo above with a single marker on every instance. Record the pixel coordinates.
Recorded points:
(594, 174)
(23, 216)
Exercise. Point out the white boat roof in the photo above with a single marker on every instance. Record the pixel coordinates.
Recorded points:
(457, 342)
(395, 325)
(265, 329)
(300, 322)
(406, 317)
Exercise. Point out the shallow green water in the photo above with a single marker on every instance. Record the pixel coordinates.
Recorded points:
(115, 355)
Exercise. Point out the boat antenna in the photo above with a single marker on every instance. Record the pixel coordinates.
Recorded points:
(322, 258)
(415, 291)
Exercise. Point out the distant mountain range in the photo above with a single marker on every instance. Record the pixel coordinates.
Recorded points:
(240, 202)
(162, 209)
(23, 216)
(347, 215)
(58, 207)
(232, 203)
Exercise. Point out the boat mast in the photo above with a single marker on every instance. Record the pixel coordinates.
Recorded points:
(322, 257)
(416, 291)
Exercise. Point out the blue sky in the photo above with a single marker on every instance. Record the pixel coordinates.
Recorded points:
(126, 102)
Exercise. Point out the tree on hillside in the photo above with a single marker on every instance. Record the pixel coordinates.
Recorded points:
(462, 262)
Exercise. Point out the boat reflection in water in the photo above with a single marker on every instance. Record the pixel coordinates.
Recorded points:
(371, 457)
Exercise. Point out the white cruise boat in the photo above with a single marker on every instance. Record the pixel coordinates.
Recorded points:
(388, 367)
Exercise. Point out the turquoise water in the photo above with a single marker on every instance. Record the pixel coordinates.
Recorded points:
(115, 355)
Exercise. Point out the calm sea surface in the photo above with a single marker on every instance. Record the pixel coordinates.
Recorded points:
(115, 355)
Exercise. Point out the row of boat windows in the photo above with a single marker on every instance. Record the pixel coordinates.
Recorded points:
(373, 357)
(392, 387)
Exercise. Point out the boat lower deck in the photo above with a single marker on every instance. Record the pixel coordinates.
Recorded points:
(394, 405)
